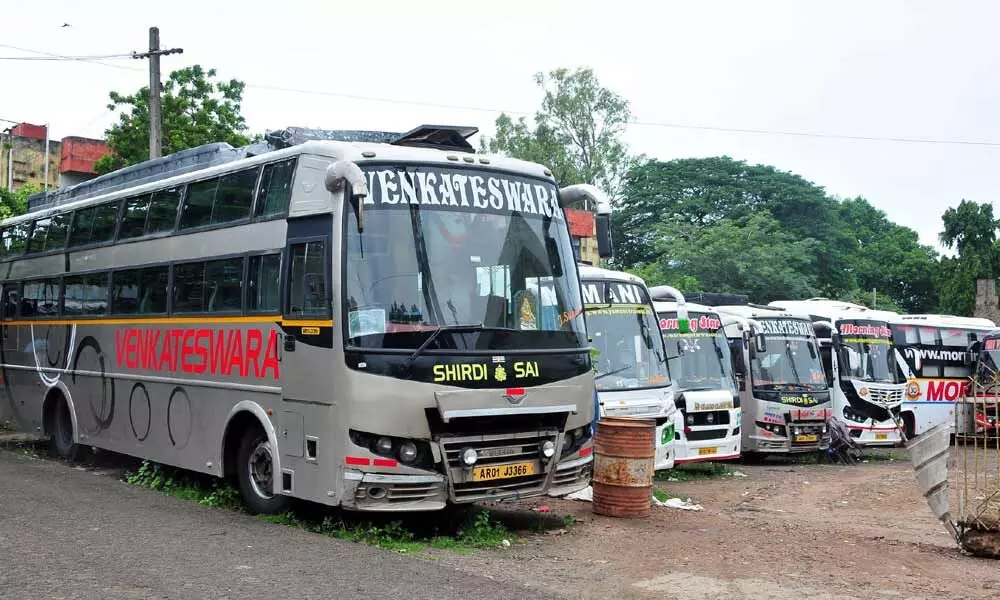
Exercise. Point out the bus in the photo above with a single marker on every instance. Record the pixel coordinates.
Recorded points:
(785, 397)
(632, 376)
(863, 369)
(938, 360)
(707, 426)
(376, 321)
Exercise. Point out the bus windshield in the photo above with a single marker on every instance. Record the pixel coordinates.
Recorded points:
(629, 355)
(484, 251)
(700, 361)
(788, 361)
(869, 360)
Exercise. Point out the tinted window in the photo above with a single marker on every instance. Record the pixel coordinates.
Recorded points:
(134, 218)
(275, 189)
(163, 210)
(224, 285)
(85, 294)
(263, 283)
(40, 298)
(197, 209)
(79, 233)
(56, 238)
(140, 291)
(94, 225)
(307, 293)
(189, 288)
(234, 197)
(15, 238)
(38, 235)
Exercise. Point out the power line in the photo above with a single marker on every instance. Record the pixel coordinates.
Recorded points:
(76, 58)
(634, 122)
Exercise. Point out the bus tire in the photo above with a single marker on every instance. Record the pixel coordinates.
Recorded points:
(255, 474)
(60, 425)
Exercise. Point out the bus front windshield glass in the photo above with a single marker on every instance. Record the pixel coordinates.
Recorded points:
(460, 259)
(989, 364)
(788, 362)
(629, 355)
(700, 361)
(869, 360)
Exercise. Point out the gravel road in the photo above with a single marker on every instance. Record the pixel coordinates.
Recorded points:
(67, 532)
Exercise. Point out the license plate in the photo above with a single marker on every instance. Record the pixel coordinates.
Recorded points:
(503, 471)
(704, 451)
(881, 436)
(807, 438)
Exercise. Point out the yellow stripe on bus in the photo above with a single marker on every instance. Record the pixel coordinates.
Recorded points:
(176, 320)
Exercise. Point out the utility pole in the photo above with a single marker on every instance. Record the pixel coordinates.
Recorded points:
(155, 109)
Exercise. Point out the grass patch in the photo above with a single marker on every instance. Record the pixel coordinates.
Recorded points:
(696, 472)
(207, 491)
(478, 529)
(663, 495)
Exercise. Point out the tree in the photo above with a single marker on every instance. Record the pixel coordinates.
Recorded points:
(703, 192)
(889, 258)
(752, 255)
(577, 131)
(15, 203)
(196, 111)
(971, 230)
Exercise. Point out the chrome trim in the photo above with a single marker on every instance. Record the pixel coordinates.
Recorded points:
(497, 412)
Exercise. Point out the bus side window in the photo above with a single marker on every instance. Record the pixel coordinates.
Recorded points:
(9, 302)
(307, 293)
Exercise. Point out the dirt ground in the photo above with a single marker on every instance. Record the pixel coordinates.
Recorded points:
(781, 530)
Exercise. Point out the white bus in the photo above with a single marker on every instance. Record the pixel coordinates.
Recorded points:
(937, 353)
(632, 376)
(707, 426)
(785, 397)
(863, 368)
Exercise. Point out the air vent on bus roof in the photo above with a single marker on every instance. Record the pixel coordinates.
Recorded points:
(441, 137)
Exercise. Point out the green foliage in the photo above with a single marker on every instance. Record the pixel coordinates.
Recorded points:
(15, 203)
(696, 472)
(181, 484)
(722, 225)
(971, 230)
(576, 132)
(196, 110)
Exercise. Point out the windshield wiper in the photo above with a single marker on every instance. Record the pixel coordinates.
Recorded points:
(460, 327)
(615, 372)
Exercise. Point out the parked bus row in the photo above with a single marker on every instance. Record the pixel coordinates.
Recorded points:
(394, 322)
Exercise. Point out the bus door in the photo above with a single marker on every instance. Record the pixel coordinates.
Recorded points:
(306, 340)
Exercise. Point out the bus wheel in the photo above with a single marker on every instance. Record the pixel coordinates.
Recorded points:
(255, 474)
(61, 427)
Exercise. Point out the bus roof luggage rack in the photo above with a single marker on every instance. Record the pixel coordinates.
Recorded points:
(440, 137)
(177, 163)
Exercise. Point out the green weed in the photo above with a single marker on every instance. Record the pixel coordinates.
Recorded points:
(696, 472)
(177, 483)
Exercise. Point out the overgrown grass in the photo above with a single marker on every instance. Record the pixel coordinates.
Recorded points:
(696, 472)
(182, 484)
(479, 528)
(663, 495)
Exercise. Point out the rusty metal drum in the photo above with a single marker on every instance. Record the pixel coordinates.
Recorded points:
(624, 455)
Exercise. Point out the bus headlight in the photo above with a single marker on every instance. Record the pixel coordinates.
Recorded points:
(548, 449)
(407, 452)
(383, 446)
(690, 419)
(469, 457)
(710, 418)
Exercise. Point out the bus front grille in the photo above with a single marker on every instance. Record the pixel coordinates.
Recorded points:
(885, 396)
(700, 435)
(500, 488)
(497, 449)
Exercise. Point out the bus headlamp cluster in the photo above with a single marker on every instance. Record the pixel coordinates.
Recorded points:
(408, 452)
(773, 428)
(574, 439)
(854, 416)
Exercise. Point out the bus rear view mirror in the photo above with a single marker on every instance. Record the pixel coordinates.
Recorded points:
(343, 175)
(604, 248)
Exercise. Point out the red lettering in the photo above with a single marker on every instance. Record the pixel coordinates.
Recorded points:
(120, 336)
(199, 350)
(202, 350)
(217, 352)
(187, 349)
(254, 343)
(951, 391)
(132, 349)
(271, 356)
(935, 391)
(964, 388)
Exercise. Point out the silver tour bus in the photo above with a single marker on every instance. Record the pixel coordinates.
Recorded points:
(362, 319)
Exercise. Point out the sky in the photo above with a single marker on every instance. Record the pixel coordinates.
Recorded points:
(910, 69)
